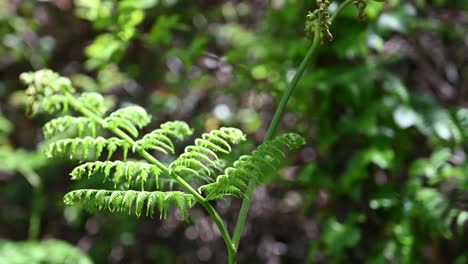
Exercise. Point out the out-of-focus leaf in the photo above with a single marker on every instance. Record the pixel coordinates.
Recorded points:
(36, 252)
(406, 117)
(160, 33)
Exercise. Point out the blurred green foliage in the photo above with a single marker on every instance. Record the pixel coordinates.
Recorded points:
(47, 251)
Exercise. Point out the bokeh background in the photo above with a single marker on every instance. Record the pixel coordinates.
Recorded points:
(382, 179)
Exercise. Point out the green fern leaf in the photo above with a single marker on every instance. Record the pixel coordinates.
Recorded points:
(264, 160)
(130, 201)
(161, 139)
(130, 119)
(197, 161)
(119, 172)
(54, 104)
(81, 126)
(79, 147)
(94, 102)
(46, 91)
(46, 82)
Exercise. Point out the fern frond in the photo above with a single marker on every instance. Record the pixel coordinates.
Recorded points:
(161, 139)
(94, 102)
(265, 159)
(58, 126)
(129, 172)
(46, 82)
(79, 147)
(53, 104)
(129, 118)
(198, 159)
(130, 201)
(46, 91)
(462, 116)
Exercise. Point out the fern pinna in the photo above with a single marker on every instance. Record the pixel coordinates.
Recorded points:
(137, 184)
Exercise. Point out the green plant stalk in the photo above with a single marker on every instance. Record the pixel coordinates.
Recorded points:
(291, 86)
(35, 217)
(275, 121)
(339, 9)
(271, 129)
(214, 215)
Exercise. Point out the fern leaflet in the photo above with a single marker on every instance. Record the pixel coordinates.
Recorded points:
(130, 172)
(130, 201)
(79, 147)
(197, 160)
(265, 159)
(94, 102)
(46, 91)
(129, 119)
(58, 126)
(160, 139)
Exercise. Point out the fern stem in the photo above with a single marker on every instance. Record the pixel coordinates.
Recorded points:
(232, 256)
(211, 211)
(36, 206)
(338, 10)
(287, 94)
(275, 121)
(143, 153)
(269, 135)
(222, 229)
